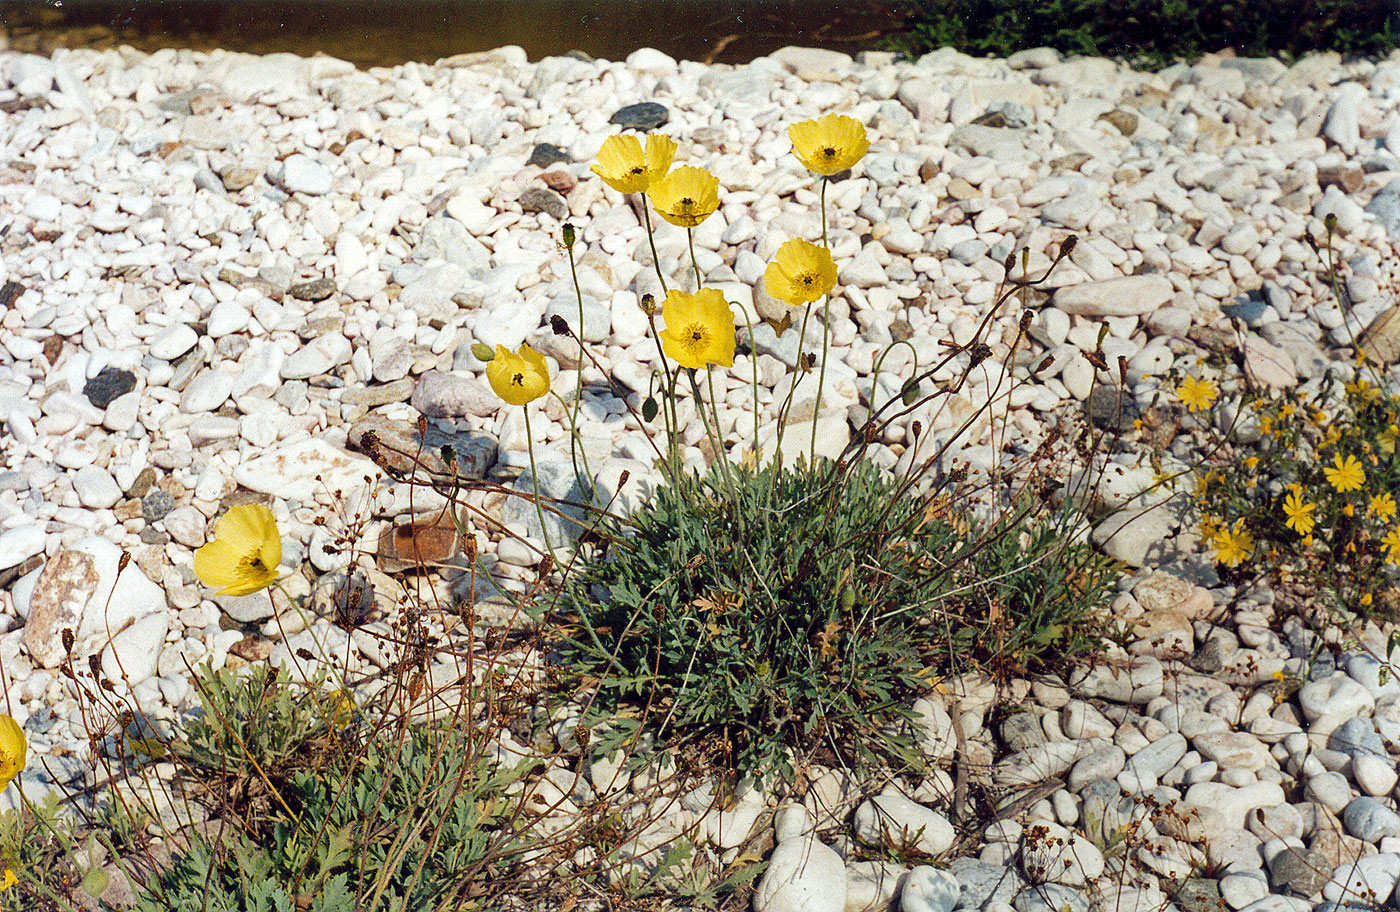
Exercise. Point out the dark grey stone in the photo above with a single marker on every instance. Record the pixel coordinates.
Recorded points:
(1108, 409)
(1357, 736)
(1299, 871)
(314, 290)
(156, 504)
(546, 154)
(543, 199)
(108, 385)
(1248, 308)
(644, 116)
(1198, 894)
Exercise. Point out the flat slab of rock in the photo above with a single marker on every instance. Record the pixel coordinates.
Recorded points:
(1121, 297)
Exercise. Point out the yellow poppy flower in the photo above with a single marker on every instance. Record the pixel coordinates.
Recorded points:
(520, 377)
(244, 555)
(800, 273)
(14, 750)
(685, 197)
(699, 328)
(1197, 395)
(1345, 474)
(627, 168)
(1382, 506)
(830, 144)
(1299, 513)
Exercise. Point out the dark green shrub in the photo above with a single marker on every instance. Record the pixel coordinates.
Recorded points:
(1152, 33)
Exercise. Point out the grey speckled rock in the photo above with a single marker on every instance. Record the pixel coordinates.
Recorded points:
(644, 116)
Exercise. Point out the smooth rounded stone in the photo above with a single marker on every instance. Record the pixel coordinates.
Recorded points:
(319, 356)
(226, 318)
(895, 820)
(1081, 720)
(929, 889)
(644, 116)
(1133, 535)
(1198, 894)
(1216, 801)
(543, 199)
(186, 525)
(981, 883)
(20, 543)
(1378, 679)
(134, 652)
(1153, 761)
(1370, 880)
(1267, 364)
(1021, 730)
(1381, 337)
(172, 342)
(1135, 681)
(1042, 761)
(1374, 775)
(1329, 789)
(1124, 296)
(1299, 871)
(1370, 819)
(1356, 737)
(1337, 695)
(803, 875)
(1062, 857)
(373, 396)
(1233, 750)
(1274, 822)
(1239, 890)
(873, 885)
(1105, 763)
(155, 504)
(1350, 216)
(299, 173)
(96, 488)
(208, 390)
(1051, 897)
(246, 609)
(122, 414)
(597, 317)
(108, 385)
(391, 356)
(443, 395)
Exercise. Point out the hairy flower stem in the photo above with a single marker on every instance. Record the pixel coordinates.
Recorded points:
(690, 240)
(712, 430)
(826, 334)
(535, 480)
(585, 484)
(668, 401)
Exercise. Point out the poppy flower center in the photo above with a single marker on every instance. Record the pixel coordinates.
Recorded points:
(829, 152)
(518, 379)
(638, 169)
(697, 337)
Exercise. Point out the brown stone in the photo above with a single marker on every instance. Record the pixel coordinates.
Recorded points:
(237, 177)
(561, 181)
(411, 545)
(1381, 340)
(928, 171)
(1347, 178)
(1125, 122)
(252, 648)
(61, 594)
(960, 189)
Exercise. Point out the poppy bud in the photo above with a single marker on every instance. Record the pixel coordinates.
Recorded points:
(568, 232)
(482, 351)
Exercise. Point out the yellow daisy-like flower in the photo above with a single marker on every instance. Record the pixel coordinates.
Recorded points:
(1382, 506)
(14, 750)
(1362, 390)
(1392, 544)
(1299, 513)
(518, 377)
(1197, 395)
(627, 168)
(699, 328)
(830, 144)
(1388, 439)
(244, 555)
(1233, 546)
(8, 879)
(1287, 410)
(685, 197)
(1345, 474)
(800, 273)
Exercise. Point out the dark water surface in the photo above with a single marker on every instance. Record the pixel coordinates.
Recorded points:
(371, 33)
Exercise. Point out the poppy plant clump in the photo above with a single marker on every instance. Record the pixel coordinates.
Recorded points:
(244, 555)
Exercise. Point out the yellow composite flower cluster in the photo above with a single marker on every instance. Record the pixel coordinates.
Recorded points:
(1197, 394)
(245, 553)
